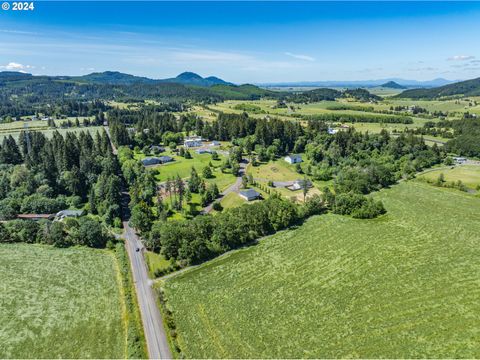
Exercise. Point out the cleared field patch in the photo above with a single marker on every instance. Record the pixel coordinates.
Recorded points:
(468, 174)
(278, 170)
(405, 285)
(60, 303)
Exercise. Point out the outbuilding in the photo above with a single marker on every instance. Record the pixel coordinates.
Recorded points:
(293, 159)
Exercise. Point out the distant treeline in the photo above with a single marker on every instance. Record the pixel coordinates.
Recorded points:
(324, 94)
(358, 118)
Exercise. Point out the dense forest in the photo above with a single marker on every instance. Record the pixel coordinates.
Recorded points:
(43, 176)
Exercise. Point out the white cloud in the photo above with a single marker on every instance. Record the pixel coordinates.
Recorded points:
(13, 66)
(300, 57)
(461, 58)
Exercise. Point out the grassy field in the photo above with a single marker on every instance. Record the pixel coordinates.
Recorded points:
(405, 285)
(156, 262)
(468, 174)
(60, 303)
(48, 132)
(278, 170)
(183, 168)
(232, 200)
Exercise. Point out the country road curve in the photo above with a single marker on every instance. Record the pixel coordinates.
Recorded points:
(155, 335)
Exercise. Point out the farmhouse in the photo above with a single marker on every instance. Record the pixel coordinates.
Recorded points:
(249, 194)
(460, 160)
(151, 161)
(299, 184)
(293, 159)
(68, 213)
(148, 161)
(192, 141)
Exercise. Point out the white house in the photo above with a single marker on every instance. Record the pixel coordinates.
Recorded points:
(249, 194)
(293, 159)
(460, 160)
(68, 213)
(299, 184)
(192, 141)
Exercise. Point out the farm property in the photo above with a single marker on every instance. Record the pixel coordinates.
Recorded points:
(60, 303)
(402, 285)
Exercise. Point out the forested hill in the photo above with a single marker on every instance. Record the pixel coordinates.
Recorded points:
(118, 78)
(465, 88)
(22, 91)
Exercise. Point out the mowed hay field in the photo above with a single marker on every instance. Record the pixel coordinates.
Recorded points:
(59, 303)
(405, 285)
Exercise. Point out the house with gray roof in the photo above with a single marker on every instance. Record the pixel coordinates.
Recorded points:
(249, 194)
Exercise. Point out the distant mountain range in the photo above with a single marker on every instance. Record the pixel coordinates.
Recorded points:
(362, 83)
(118, 78)
(463, 88)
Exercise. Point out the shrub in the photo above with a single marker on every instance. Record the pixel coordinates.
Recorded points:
(369, 210)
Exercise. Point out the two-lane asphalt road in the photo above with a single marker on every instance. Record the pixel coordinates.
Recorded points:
(155, 336)
(157, 343)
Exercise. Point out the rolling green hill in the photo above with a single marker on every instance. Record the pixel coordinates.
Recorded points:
(25, 89)
(405, 285)
(464, 88)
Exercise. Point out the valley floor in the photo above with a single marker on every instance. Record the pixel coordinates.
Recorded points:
(404, 285)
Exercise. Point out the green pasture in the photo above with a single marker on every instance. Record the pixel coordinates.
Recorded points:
(468, 174)
(60, 303)
(405, 285)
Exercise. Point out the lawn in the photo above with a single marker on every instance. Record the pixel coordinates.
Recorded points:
(60, 303)
(468, 174)
(405, 285)
(278, 170)
(232, 200)
(183, 168)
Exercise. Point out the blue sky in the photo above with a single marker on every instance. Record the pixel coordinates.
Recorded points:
(246, 41)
